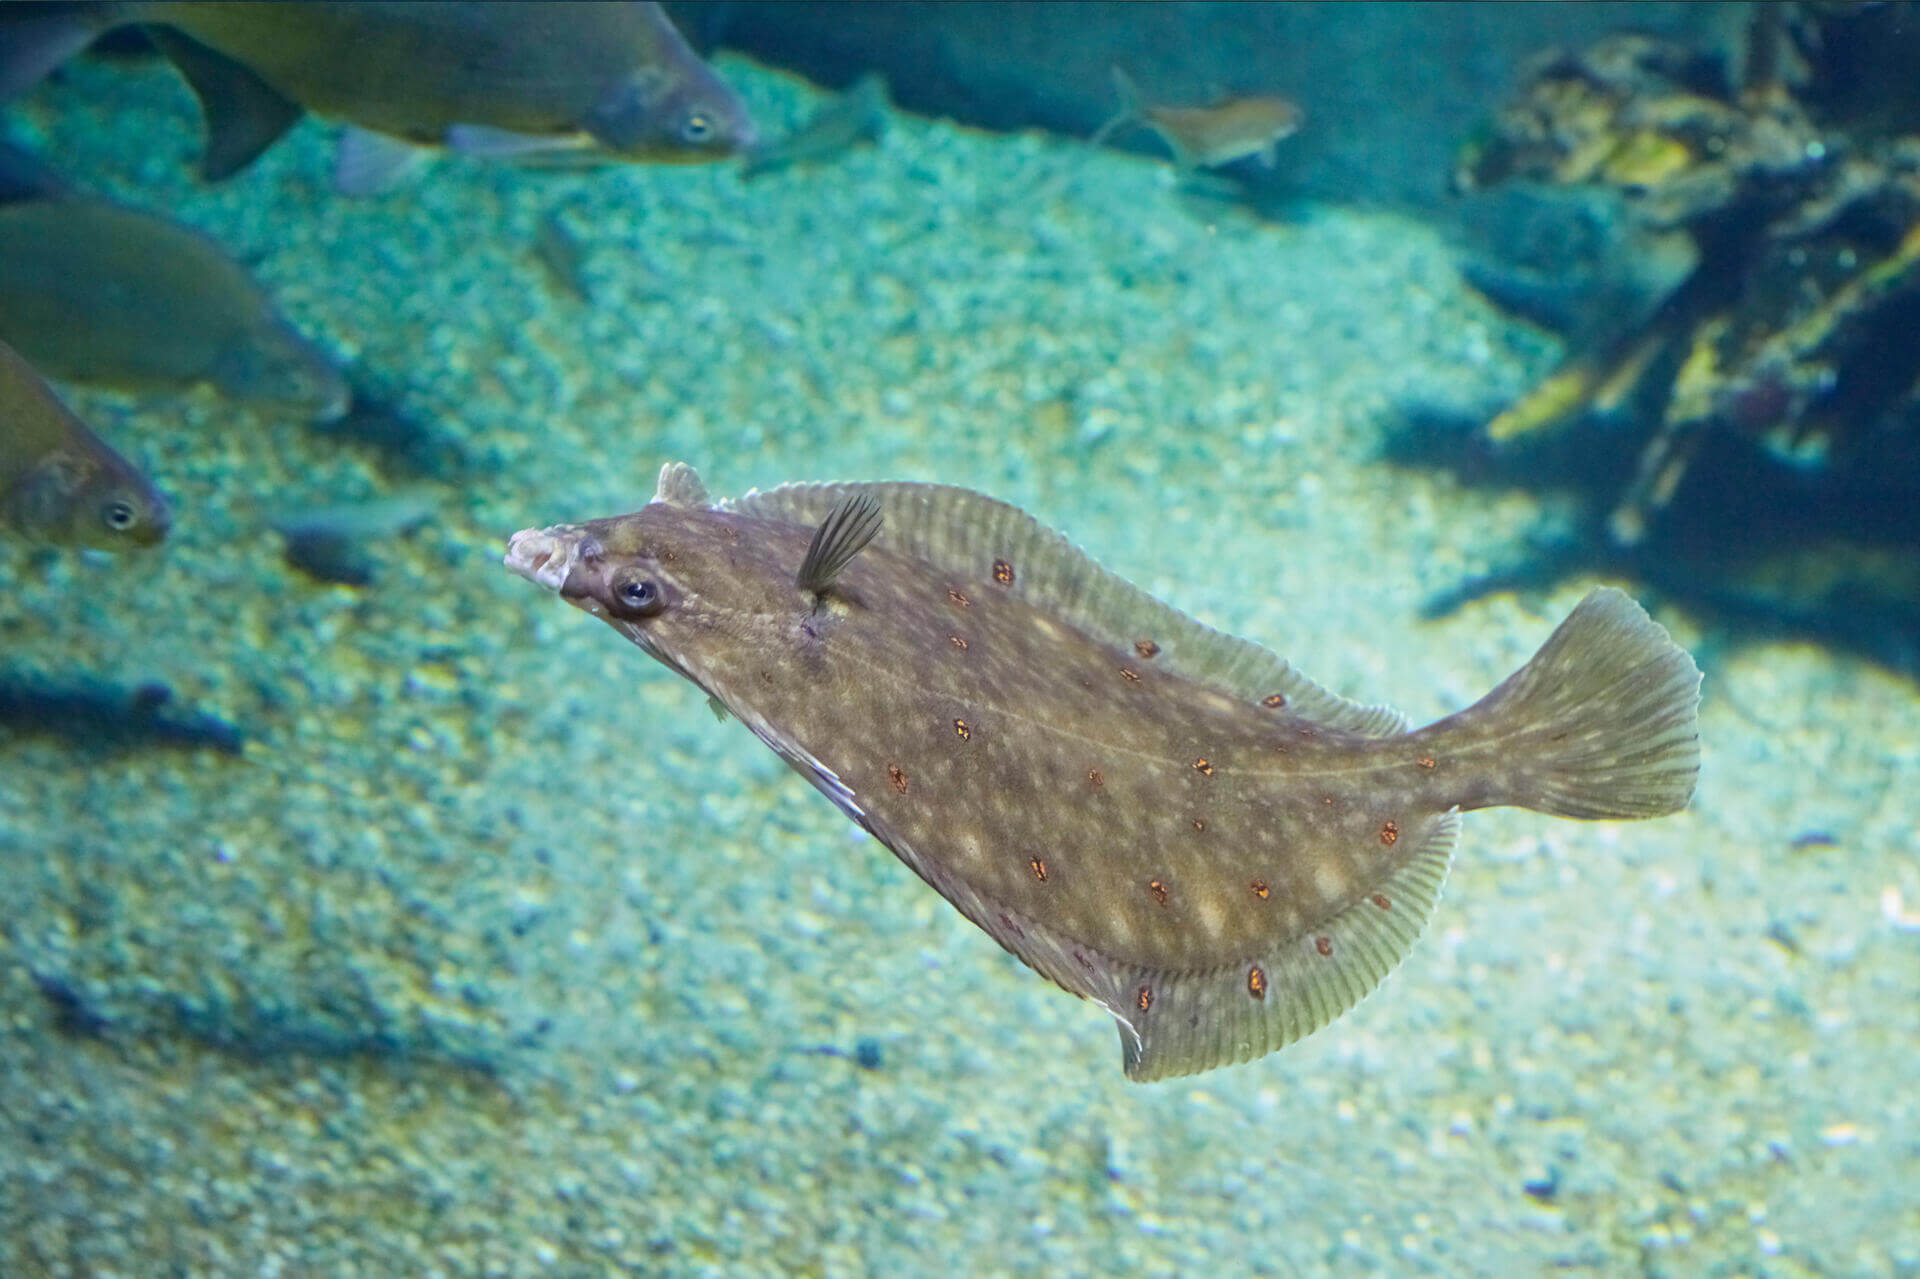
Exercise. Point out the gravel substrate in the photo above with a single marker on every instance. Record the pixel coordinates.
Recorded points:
(494, 954)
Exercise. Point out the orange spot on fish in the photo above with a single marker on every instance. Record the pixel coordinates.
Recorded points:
(1096, 778)
(1131, 675)
(957, 641)
(960, 727)
(959, 598)
(1203, 768)
(1424, 762)
(1146, 648)
(1257, 982)
(1389, 833)
(1038, 867)
(1200, 823)
(1145, 998)
(898, 777)
(1158, 887)
(1380, 900)
(1260, 889)
(1324, 945)
(1003, 572)
(1273, 701)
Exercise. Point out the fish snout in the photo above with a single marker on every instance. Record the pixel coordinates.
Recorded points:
(544, 556)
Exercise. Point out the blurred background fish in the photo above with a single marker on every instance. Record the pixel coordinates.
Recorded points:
(1210, 136)
(507, 79)
(106, 295)
(61, 483)
(859, 115)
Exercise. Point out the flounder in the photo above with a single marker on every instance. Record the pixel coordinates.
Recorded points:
(1159, 817)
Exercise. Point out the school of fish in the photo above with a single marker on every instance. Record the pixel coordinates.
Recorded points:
(1161, 818)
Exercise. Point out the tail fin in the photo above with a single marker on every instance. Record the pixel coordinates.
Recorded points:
(1601, 723)
(1129, 112)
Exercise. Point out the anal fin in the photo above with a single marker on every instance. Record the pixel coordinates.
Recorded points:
(1185, 1022)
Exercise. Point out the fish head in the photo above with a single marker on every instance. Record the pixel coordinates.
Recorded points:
(98, 502)
(682, 580)
(677, 114)
(124, 512)
(272, 365)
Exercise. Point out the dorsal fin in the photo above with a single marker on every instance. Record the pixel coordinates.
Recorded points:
(680, 486)
(971, 535)
(843, 534)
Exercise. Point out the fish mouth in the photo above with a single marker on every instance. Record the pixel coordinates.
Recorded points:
(544, 556)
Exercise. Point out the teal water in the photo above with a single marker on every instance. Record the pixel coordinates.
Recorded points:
(495, 954)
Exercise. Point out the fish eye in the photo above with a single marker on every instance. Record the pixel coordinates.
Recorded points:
(119, 515)
(697, 127)
(639, 596)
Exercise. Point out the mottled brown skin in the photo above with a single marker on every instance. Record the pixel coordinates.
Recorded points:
(618, 72)
(873, 680)
(59, 482)
(1144, 838)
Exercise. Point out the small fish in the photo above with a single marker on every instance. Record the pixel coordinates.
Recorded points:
(857, 116)
(560, 252)
(328, 543)
(613, 76)
(104, 295)
(59, 482)
(1164, 819)
(1207, 137)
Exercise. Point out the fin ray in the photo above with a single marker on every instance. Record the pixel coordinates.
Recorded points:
(1198, 1020)
(842, 534)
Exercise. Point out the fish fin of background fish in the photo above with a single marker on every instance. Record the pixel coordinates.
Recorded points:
(1195, 1021)
(367, 163)
(680, 485)
(1602, 723)
(964, 533)
(25, 176)
(1127, 113)
(485, 142)
(244, 115)
(35, 41)
(843, 534)
(718, 707)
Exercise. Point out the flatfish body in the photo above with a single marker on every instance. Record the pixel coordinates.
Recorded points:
(1155, 815)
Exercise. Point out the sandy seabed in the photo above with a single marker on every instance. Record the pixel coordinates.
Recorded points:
(496, 955)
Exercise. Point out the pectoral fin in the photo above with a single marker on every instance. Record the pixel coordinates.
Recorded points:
(843, 534)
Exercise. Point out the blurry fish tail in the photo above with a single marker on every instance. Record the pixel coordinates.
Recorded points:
(1602, 723)
(1128, 113)
(34, 39)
